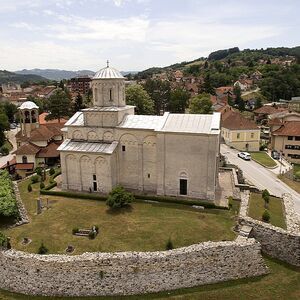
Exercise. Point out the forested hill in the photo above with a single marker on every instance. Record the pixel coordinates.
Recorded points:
(232, 56)
(6, 76)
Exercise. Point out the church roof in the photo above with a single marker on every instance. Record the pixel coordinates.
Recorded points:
(143, 122)
(76, 120)
(192, 123)
(108, 73)
(94, 147)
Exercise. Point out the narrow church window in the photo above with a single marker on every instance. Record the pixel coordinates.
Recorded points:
(183, 186)
(148, 175)
(110, 95)
(95, 186)
(94, 177)
(123, 148)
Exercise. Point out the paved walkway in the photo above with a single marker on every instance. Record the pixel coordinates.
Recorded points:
(225, 189)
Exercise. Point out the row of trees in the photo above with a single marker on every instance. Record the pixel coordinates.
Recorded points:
(156, 97)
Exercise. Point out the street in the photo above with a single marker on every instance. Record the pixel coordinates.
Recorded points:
(261, 177)
(11, 137)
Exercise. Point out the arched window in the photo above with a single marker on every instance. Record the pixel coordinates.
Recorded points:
(110, 95)
(183, 183)
(33, 116)
(24, 159)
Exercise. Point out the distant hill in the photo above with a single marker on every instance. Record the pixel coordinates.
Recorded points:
(6, 76)
(231, 55)
(56, 74)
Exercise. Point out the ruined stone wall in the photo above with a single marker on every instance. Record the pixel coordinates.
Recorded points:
(129, 272)
(275, 241)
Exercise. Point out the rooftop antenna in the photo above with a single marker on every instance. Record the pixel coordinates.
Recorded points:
(107, 63)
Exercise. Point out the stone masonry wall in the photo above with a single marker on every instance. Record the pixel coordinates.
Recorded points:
(275, 241)
(126, 273)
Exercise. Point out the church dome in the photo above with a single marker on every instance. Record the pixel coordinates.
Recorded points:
(28, 105)
(108, 73)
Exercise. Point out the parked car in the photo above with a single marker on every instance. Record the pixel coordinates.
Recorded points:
(244, 155)
(275, 154)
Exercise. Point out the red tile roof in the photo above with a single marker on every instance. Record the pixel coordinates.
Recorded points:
(49, 151)
(268, 110)
(28, 148)
(28, 166)
(291, 128)
(235, 121)
(43, 121)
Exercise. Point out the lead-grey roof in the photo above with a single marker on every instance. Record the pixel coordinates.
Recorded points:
(192, 123)
(108, 73)
(76, 120)
(143, 122)
(88, 147)
(28, 105)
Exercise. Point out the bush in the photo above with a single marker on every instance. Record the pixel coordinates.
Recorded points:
(51, 171)
(230, 201)
(42, 185)
(297, 175)
(39, 171)
(3, 240)
(169, 245)
(29, 188)
(75, 230)
(262, 147)
(42, 249)
(265, 193)
(118, 198)
(35, 178)
(8, 205)
(266, 216)
(92, 234)
(4, 150)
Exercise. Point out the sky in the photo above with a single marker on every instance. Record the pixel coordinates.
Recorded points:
(137, 34)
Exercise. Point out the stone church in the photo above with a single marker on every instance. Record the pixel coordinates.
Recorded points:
(107, 145)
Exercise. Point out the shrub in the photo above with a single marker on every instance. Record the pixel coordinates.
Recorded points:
(42, 249)
(42, 185)
(262, 147)
(3, 240)
(29, 188)
(118, 198)
(92, 234)
(4, 150)
(266, 216)
(39, 171)
(35, 178)
(8, 205)
(230, 201)
(169, 245)
(51, 180)
(265, 193)
(297, 175)
(75, 230)
(51, 171)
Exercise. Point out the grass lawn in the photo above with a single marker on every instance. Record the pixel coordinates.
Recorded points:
(291, 183)
(145, 227)
(263, 158)
(257, 208)
(282, 283)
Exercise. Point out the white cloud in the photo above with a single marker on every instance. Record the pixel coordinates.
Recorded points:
(24, 25)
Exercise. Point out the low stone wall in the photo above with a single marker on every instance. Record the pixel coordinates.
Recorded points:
(127, 273)
(275, 241)
(21, 208)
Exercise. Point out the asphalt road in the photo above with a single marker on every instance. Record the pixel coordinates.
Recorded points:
(261, 177)
(11, 137)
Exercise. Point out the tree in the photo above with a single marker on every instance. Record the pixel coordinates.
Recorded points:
(136, 95)
(207, 86)
(238, 98)
(119, 198)
(4, 125)
(200, 104)
(58, 104)
(258, 103)
(78, 104)
(266, 197)
(178, 101)
(10, 110)
(159, 91)
(266, 216)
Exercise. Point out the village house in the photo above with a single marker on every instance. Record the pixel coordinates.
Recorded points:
(294, 104)
(37, 142)
(107, 145)
(286, 140)
(239, 132)
(261, 114)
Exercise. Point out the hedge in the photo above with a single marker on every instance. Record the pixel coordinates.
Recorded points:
(139, 198)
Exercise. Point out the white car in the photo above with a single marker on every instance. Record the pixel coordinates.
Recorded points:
(244, 155)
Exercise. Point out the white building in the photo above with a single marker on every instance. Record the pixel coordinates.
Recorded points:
(107, 145)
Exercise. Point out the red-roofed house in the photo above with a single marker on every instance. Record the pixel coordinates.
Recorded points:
(286, 140)
(37, 142)
(239, 132)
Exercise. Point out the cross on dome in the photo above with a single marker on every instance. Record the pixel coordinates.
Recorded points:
(107, 63)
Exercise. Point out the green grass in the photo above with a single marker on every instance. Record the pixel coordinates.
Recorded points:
(144, 227)
(283, 282)
(295, 185)
(264, 159)
(275, 208)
